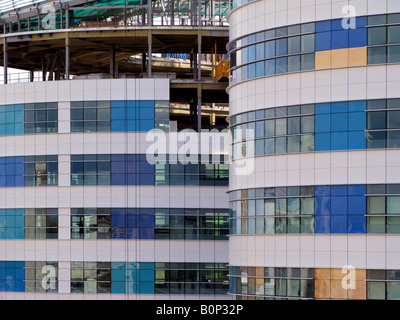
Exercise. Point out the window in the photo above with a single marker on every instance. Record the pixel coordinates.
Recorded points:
(35, 273)
(90, 223)
(41, 118)
(41, 171)
(91, 116)
(41, 223)
(90, 277)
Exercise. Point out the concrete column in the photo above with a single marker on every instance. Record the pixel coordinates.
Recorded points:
(5, 56)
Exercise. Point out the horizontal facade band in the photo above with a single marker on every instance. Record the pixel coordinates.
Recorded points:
(260, 15)
(115, 250)
(318, 168)
(114, 197)
(315, 251)
(321, 86)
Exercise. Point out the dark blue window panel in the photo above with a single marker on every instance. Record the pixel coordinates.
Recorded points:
(281, 47)
(323, 41)
(10, 181)
(117, 286)
(132, 221)
(322, 123)
(357, 190)
(118, 221)
(357, 140)
(146, 114)
(146, 179)
(321, 108)
(131, 125)
(118, 167)
(356, 224)
(322, 206)
(119, 157)
(146, 125)
(322, 26)
(339, 122)
(146, 103)
(132, 233)
(118, 179)
(337, 24)
(355, 106)
(339, 107)
(339, 190)
(145, 167)
(118, 125)
(322, 224)
(146, 221)
(339, 205)
(146, 287)
(338, 224)
(118, 104)
(361, 22)
(357, 205)
(118, 113)
(340, 39)
(322, 191)
(322, 141)
(146, 233)
(357, 121)
(357, 38)
(339, 141)
(132, 179)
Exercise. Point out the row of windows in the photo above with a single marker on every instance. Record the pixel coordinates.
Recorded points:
(276, 51)
(272, 283)
(136, 170)
(351, 125)
(259, 283)
(173, 224)
(320, 209)
(117, 277)
(88, 116)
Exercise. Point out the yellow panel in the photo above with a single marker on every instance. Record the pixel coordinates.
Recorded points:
(340, 58)
(323, 60)
(360, 291)
(337, 290)
(322, 274)
(322, 289)
(357, 56)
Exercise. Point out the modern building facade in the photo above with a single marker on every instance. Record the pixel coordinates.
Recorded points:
(84, 213)
(314, 181)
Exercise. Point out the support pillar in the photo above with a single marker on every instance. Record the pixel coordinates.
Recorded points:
(5, 57)
(67, 58)
(150, 54)
(112, 63)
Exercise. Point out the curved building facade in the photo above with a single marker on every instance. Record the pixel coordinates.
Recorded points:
(85, 213)
(315, 120)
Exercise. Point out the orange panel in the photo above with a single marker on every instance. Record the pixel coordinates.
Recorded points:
(322, 289)
(340, 58)
(357, 56)
(323, 60)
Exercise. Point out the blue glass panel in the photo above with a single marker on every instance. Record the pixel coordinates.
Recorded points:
(322, 206)
(146, 104)
(146, 233)
(146, 274)
(322, 123)
(323, 41)
(340, 39)
(339, 205)
(118, 179)
(118, 125)
(339, 140)
(339, 107)
(146, 114)
(339, 122)
(357, 140)
(338, 224)
(146, 125)
(356, 224)
(146, 221)
(132, 179)
(132, 233)
(322, 108)
(118, 221)
(322, 26)
(146, 287)
(357, 106)
(357, 190)
(146, 179)
(357, 38)
(131, 125)
(322, 224)
(118, 167)
(322, 141)
(337, 24)
(340, 190)
(357, 205)
(357, 121)
(145, 167)
(118, 287)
